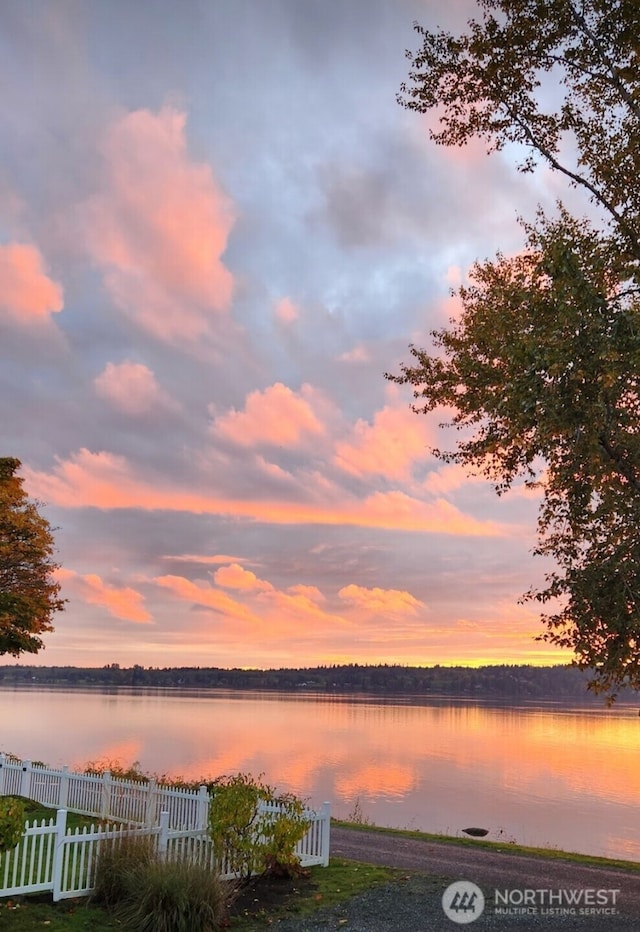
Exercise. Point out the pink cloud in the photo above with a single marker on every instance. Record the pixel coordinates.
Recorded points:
(275, 416)
(448, 478)
(236, 577)
(104, 480)
(389, 447)
(159, 227)
(120, 601)
(286, 311)
(381, 601)
(202, 558)
(358, 354)
(26, 291)
(132, 388)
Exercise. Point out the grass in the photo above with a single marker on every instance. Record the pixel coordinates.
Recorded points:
(37, 812)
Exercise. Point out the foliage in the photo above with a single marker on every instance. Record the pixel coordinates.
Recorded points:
(252, 829)
(131, 772)
(147, 894)
(495, 82)
(29, 595)
(12, 816)
(542, 368)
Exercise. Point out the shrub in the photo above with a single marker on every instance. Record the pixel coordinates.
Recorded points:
(174, 897)
(146, 894)
(253, 830)
(12, 816)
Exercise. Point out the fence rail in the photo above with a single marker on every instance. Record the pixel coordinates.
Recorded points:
(50, 857)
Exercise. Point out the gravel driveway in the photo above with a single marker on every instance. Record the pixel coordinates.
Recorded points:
(414, 903)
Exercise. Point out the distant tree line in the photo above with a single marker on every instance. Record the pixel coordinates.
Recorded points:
(560, 682)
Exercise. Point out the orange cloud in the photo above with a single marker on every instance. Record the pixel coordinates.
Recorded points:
(381, 601)
(236, 577)
(296, 603)
(279, 612)
(26, 291)
(276, 416)
(120, 602)
(160, 226)
(203, 594)
(132, 388)
(388, 447)
(104, 480)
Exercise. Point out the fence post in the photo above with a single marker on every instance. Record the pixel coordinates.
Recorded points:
(150, 808)
(25, 779)
(326, 830)
(58, 853)
(163, 837)
(105, 810)
(202, 817)
(3, 760)
(63, 796)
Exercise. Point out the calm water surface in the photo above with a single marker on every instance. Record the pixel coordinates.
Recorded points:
(537, 775)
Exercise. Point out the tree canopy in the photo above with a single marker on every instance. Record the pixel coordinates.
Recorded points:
(29, 594)
(542, 367)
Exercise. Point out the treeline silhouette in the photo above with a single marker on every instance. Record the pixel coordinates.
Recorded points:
(501, 681)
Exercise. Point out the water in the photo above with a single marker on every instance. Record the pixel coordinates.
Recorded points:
(551, 776)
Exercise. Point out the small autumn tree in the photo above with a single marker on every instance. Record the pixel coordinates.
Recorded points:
(542, 367)
(253, 829)
(29, 595)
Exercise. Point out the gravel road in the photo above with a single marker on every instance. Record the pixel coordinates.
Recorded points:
(414, 903)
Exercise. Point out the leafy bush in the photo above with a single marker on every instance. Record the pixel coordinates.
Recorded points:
(253, 830)
(146, 894)
(12, 816)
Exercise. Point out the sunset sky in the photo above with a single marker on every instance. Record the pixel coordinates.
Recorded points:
(218, 230)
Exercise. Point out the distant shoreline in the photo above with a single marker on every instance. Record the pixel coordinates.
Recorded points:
(559, 683)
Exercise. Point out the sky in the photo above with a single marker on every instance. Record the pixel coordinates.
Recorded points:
(218, 230)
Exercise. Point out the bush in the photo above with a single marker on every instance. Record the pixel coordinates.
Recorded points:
(12, 816)
(174, 897)
(250, 838)
(146, 894)
(118, 861)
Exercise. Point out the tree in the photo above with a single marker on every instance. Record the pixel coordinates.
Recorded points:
(29, 595)
(542, 367)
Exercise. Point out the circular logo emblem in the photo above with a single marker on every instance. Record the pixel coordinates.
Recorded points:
(463, 902)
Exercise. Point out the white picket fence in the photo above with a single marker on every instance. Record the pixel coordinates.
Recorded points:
(51, 857)
(106, 797)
